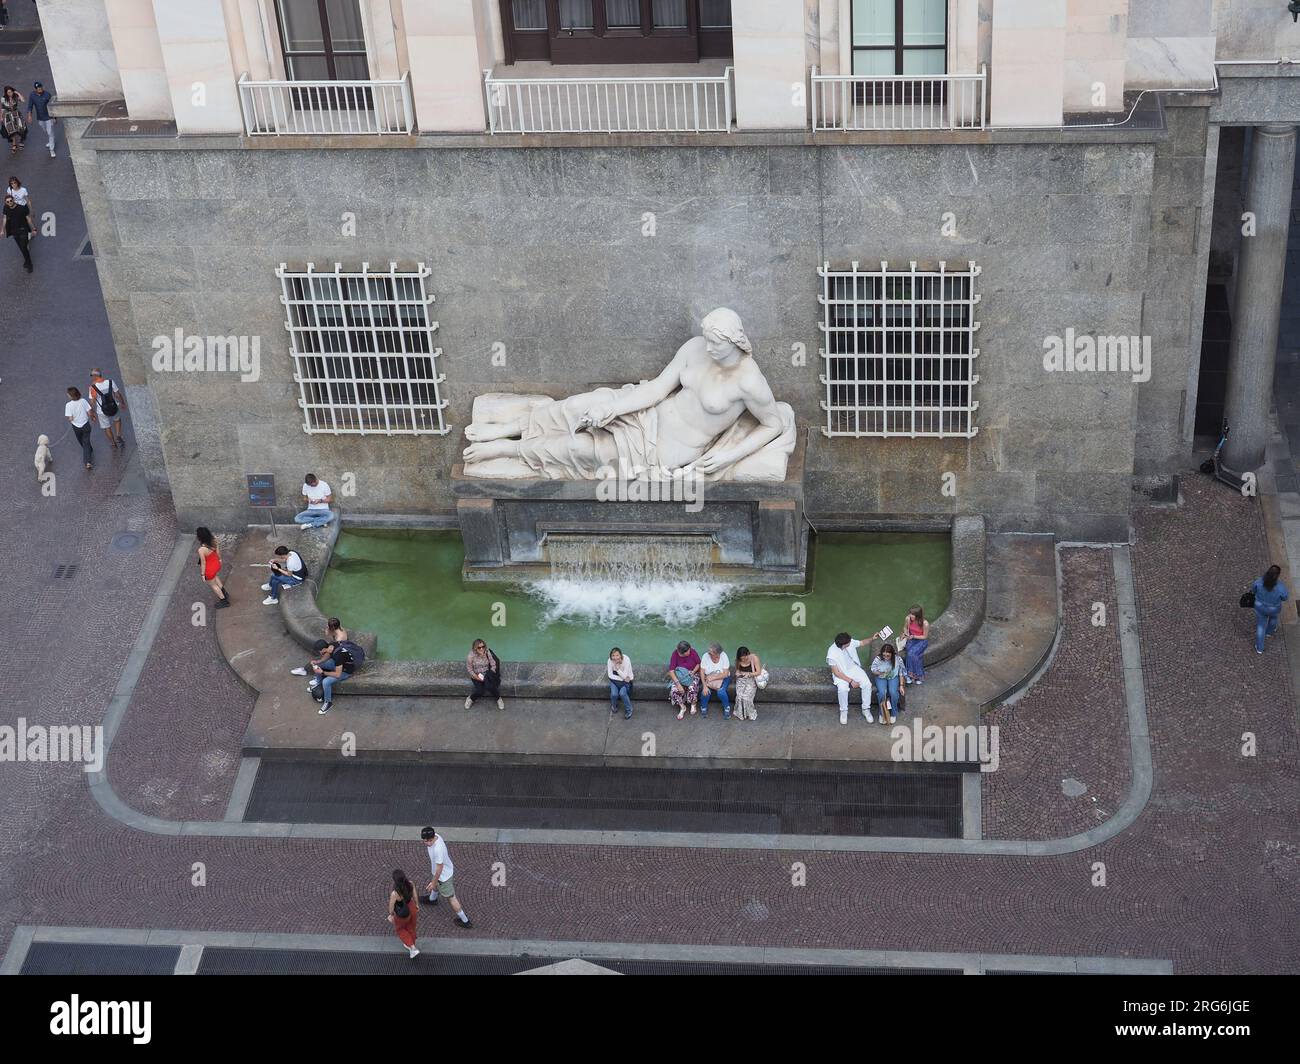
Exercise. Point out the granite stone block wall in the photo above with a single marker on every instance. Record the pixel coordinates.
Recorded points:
(590, 266)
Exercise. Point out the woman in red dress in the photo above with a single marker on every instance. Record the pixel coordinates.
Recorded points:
(210, 565)
(402, 909)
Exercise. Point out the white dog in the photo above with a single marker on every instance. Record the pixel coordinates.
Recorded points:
(44, 457)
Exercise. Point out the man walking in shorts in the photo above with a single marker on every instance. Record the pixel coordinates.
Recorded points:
(442, 884)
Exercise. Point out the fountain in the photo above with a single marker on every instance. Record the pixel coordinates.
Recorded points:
(607, 580)
(700, 453)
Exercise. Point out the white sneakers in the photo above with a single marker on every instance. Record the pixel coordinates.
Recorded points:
(269, 601)
(469, 701)
(844, 716)
(501, 703)
(413, 952)
(266, 587)
(305, 527)
(866, 713)
(299, 671)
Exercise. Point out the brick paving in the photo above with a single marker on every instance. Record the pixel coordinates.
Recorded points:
(1071, 726)
(1208, 875)
(180, 763)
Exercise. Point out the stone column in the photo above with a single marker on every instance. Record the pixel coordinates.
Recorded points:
(1259, 298)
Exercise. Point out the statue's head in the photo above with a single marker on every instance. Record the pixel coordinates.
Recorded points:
(723, 333)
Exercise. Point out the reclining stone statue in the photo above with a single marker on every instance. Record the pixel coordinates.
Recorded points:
(710, 413)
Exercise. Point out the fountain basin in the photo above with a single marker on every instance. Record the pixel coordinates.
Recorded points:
(562, 677)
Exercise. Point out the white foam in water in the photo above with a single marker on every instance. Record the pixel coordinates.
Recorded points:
(601, 580)
(603, 604)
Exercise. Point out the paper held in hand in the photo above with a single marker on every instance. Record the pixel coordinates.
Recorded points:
(886, 632)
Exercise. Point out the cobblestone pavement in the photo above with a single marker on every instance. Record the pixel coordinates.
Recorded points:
(1069, 731)
(1207, 876)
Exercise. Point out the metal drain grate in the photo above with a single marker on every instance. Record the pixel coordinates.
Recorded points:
(232, 961)
(65, 571)
(916, 803)
(84, 958)
(127, 541)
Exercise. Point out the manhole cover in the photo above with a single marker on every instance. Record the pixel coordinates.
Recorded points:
(1072, 788)
(127, 541)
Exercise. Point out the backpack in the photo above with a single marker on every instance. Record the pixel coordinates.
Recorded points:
(107, 404)
(353, 655)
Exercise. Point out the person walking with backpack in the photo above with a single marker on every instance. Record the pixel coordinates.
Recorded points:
(1269, 592)
(109, 404)
(402, 910)
(38, 104)
(442, 884)
(345, 657)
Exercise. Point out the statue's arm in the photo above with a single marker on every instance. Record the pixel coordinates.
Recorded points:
(645, 395)
(759, 402)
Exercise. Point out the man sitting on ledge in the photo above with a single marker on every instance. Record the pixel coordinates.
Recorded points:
(847, 673)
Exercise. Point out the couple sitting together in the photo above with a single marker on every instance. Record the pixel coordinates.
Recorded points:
(888, 671)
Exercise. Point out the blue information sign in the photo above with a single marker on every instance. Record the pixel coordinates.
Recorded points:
(261, 489)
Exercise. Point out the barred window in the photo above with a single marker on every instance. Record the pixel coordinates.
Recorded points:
(363, 352)
(899, 351)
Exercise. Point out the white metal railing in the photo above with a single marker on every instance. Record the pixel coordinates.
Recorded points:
(900, 101)
(609, 105)
(279, 108)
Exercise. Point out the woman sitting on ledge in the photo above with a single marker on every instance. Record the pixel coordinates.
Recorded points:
(484, 670)
(684, 679)
(885, 672)
(619, 671)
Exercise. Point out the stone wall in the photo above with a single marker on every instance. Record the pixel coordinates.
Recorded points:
(544, 250)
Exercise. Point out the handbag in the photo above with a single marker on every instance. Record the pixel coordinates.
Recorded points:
(1247, 599)
(762, 679)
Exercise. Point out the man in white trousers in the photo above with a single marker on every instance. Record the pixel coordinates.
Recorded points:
(847, 673)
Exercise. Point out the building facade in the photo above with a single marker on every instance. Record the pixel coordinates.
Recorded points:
(970, 240)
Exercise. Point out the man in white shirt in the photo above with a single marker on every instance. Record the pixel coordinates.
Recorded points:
(715, 678)
(318, 496)
(442, 884)
(287, 570)
(847, 673)
(77, 410)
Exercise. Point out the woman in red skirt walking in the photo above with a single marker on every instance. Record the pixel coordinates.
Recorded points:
(402, 910)
(210, 565)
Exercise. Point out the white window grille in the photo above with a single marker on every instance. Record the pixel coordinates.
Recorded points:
(899, 351)
(363, 351)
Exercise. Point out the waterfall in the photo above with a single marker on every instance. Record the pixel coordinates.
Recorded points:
(603, 579)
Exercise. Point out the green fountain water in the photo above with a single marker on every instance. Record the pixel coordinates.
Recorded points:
(405, 585)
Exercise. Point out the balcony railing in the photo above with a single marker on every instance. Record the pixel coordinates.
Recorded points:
(900, 102)
(281, 108)
(609, 105)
